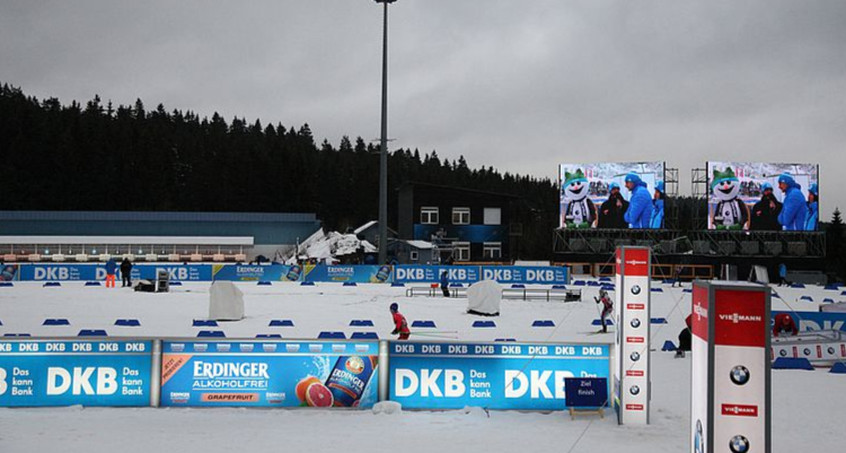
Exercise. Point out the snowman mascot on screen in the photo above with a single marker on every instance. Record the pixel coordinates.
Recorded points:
(731, 212)
(579, 210)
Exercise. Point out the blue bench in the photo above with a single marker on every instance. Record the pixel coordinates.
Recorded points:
(211, 334)
(332, 335)
(365, 336)
(92, 333)
(543, 323)
(55, 322)
(361, 323)
(268, 335)
(350, 284)
(128, 323)
(92, 283)
(484, 324)
(264, 283)
(48, 284)
(423, 323)
(204, 323)
(792, 363)
(281, 323)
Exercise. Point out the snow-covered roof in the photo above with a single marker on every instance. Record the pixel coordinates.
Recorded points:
(423, 245)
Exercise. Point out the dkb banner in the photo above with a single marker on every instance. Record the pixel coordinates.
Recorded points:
(432, 274)
(494, 375)
(269, 374)
(546, 275)
(93, 272)
(65, 373)
(244, 273)
(350, 273)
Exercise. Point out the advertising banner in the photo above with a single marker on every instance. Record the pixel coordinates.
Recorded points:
(432, 274)
(257, 272)
(736, 369)
(595, 195)
(809, 321)
(747, 196)
(269, 373)
(93, 272)
(633, 382)
(546, 275)
(517, 376)
(65, 373)
(9, 272)
(349, 273)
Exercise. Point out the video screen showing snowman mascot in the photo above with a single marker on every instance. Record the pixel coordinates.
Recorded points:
(613, 195)
(760, 196)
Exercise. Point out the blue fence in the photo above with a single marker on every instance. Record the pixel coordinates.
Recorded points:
(64, 373)
(810, 321)
(547, 275)
(492, 375)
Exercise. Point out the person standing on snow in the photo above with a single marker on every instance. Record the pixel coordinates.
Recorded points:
(607, 306)
(125, 273)
(794, 211)
(640, 204)
(445, 283)
(400, 324)
(111, 267)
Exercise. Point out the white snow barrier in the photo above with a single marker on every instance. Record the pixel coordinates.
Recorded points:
(484, 298)
(226, 302)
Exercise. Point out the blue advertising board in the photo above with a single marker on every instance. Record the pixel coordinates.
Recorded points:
(518, 376)
(270, 373)
(349, 273)
(432, 274)
(809, 320)
(257, 272)
(546, 275)
(586, 392)
(64, 373)
(92, 272)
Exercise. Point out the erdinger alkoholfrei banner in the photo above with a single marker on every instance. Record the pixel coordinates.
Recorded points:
(517, 376)
(632, 383)
(730, 371)
(270, 373)
(257, 272)
(595, 195)
(348, 273)
(58, 372)
(748, 196)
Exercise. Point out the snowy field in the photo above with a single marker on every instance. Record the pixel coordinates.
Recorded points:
(808, 406)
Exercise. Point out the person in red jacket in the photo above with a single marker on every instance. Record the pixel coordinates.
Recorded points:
(400, 324)
(784, 323)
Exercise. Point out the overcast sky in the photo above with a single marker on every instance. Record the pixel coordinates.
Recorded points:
(520, 85)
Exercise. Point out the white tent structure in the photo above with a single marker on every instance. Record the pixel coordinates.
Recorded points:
(484, 298)
(226, 302)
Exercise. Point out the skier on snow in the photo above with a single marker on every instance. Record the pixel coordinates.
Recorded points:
(400, 324)
(607, 305)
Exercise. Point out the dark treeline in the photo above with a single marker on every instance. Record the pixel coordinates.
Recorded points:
(105, 157)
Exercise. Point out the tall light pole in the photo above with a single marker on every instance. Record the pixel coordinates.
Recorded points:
(383, 154)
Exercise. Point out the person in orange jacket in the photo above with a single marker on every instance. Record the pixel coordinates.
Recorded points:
(400, 324)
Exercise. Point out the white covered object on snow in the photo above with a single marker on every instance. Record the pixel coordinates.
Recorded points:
(484, 298)
(226, 302)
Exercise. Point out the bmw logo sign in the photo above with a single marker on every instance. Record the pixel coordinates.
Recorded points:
(635, 356)
(634, 390)
(635, 323)
(830, 350)
(739, 375)
(807, 351)
(739, 444)
(699, 439)
(635, 290)
(782, 353)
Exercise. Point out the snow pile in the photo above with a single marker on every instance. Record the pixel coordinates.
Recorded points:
(387, 407)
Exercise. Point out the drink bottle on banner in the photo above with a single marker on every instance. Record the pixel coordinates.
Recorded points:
(349, 378)
(384, 273)
(294, 273)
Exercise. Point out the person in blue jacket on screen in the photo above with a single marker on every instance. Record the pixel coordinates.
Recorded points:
(813, 208)
(794, 211)
(640, 204)
(657, 220)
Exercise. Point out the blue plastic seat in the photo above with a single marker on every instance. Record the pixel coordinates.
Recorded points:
(332, 335)
(6, 284)
(484, 324)
(281, 323)
(395, 285)
(204, 323)
(423, 323)
(808, 298)
(838, 368)
(361, 323)
(268, 335)
(92, 283)
(16, 335)
(543, 323)
(657, 290)
(658, 320)
(518, 286)
(669, 346)
(350, 284)
(128, 323)
(264, 283)
(49, 284)
(55, 322)
(792, 363)
(92, 333)
(364, 336)
(211, 334)
(307, 284)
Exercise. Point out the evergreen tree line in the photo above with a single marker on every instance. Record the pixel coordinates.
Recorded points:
(105, 157)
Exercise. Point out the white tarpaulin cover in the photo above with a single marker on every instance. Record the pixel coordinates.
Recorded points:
(484, 297)
(226, 302)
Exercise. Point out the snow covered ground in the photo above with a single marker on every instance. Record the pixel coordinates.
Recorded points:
(808, 405)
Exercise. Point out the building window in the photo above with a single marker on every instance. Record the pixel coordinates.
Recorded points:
(493, 216)
(413, 255)
(429, 215)
(492, 250)
(461, 216)
(461, 251)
